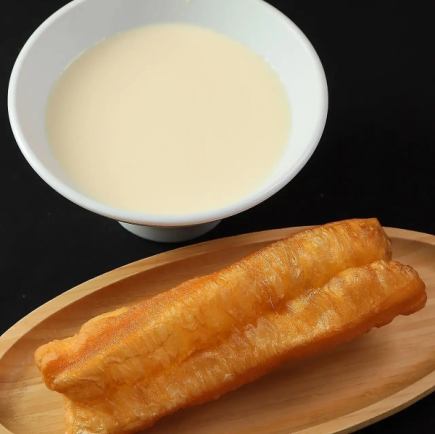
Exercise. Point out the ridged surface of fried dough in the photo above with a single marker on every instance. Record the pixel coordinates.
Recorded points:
(349, 305)
(130, 346)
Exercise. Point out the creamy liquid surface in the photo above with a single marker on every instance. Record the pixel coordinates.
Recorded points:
(168, 119)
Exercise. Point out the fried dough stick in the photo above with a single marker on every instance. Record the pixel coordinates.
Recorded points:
(349, 305)
(132, 345)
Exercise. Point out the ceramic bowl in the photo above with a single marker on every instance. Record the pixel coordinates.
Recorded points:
(83, 23)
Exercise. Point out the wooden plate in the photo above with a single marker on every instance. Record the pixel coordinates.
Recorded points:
(352, 386)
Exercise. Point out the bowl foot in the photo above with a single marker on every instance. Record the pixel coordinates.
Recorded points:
(170, 234)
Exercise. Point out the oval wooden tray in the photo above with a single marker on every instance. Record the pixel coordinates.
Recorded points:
(348, 388)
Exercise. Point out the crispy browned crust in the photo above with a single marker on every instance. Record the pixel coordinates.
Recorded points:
(128, 368)
(252, 286)
(349, 305)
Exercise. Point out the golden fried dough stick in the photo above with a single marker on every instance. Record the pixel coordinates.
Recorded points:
(135, 344)
(347, 306)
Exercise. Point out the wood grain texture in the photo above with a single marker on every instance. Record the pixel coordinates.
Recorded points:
(340, 391)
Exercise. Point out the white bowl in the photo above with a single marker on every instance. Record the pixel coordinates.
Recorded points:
(82, 23)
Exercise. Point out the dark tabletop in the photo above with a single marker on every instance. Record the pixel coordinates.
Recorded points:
(376, 158)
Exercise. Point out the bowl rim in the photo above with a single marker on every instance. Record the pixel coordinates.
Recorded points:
(257, 196)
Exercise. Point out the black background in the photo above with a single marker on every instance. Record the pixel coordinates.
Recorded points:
(376, 158)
